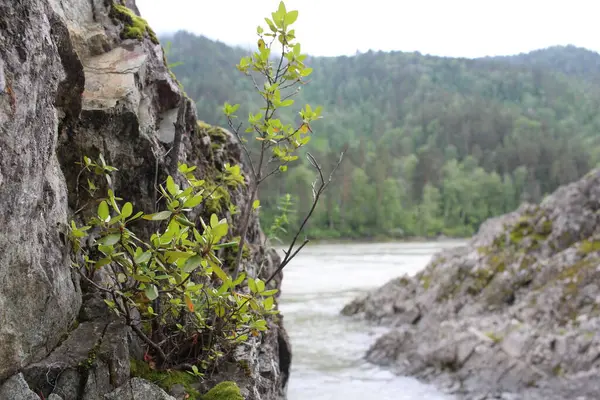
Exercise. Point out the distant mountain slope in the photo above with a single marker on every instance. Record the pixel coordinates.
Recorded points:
(570, 60)
(438, 144)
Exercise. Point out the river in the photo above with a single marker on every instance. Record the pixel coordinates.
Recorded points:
(327, 347)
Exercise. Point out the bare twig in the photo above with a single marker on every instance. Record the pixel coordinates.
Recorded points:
(290, 253)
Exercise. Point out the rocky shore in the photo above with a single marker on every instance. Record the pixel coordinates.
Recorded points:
(513, 314)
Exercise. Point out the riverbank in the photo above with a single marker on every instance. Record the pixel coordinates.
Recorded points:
(514, 313)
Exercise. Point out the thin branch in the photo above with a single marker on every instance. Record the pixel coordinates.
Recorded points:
(273, 172)
(244, 147)
(290, 253)
(94, 284)
(290, 85)
(149, 342)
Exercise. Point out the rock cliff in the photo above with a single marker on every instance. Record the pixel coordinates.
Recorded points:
(83, 78)
(513, 314)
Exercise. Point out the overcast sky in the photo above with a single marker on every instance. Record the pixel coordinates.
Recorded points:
(461, 28)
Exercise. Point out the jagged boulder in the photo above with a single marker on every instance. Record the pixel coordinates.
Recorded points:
(39, 297)
(516, 310)
(83, 78)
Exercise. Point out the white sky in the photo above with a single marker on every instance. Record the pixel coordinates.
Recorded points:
(459, 28)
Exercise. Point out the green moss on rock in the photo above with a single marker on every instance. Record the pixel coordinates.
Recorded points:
(226, 390)
(216, 134)
(166, 379)
(425, 281)
(493, 337)
(589, 246)
(135, 27)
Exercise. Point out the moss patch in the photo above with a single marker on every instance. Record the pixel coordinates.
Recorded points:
(224, 391)
(589, 246)
(218, 197)
(216, 134)
(494, 337)
(527, 227)
(426, 281)
(134, 27)
(166, 379)
(92, 355)
(526, 234)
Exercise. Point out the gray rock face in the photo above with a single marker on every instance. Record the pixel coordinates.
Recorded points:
(515, 312)
(39, 298)
(16, 388)
(138, 389)
(71, 86)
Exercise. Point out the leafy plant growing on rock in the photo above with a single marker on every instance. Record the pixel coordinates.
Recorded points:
(276, 80)
(164, 286)
(172, 286)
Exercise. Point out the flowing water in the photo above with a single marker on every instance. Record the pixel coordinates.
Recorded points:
(328, 348)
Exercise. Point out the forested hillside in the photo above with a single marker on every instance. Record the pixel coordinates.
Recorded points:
(435, 145)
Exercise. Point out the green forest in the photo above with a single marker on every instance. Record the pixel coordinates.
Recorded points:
(434, 146)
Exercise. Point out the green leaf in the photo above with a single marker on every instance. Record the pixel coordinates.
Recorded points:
(102, 262)
(291, 17)
(141, 278)
(260, 286)
(270, 292)
(121, 277)
(103, 213)
(127, 210)
(306, 72)
(239, 279)
(192, 263)
(225, 245)
(184, 221)
(260, 323)
(220, 273)
(268, 303)
(219, 231)
(151, 292)
(271, 25)
(113, 200)
(220, 311)
(281, 10)
(110, 240)
(160, 216)
(173, 256)
(252, 285)
(256, 204)
(193, 201)
(214, 220)
(143, 257)
(172, 186)
(136, 216)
